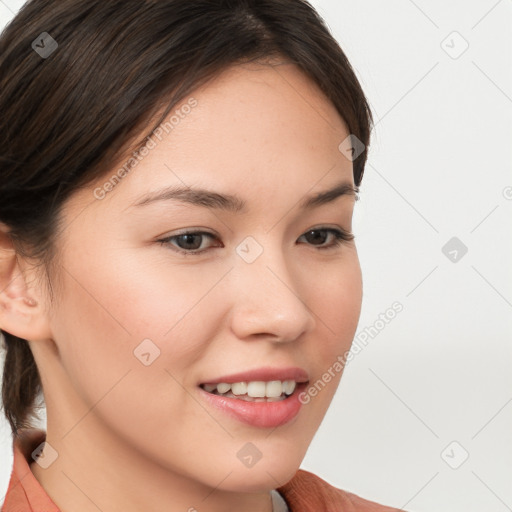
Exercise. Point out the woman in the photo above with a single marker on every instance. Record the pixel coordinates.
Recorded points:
(178, 273)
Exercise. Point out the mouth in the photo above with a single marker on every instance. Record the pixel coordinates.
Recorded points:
(262, 411)
(257, 398)
(253, 391)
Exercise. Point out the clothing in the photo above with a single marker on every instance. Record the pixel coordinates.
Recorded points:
(305, 492)
(278, 503)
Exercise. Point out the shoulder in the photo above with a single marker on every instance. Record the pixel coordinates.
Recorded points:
(24, 492)
(306, 492)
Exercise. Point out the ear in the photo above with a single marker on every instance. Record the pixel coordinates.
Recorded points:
(21, 307)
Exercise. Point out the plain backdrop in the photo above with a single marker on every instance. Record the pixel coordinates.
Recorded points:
(423, 416)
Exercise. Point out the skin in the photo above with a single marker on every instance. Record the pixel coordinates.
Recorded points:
(133, 437)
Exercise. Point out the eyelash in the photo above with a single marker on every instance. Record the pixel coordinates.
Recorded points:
(340, 236)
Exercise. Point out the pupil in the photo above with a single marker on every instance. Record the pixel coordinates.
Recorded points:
(188, 237)
(321, 238)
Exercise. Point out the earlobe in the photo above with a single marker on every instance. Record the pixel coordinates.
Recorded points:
(21, 313)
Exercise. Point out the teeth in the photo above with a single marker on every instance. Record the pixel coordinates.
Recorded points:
(223, 387)
(254, 389)
(239, 388)
(274, 388)
(289, 386)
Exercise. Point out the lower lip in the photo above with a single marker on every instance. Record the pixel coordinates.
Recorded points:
(258, 414)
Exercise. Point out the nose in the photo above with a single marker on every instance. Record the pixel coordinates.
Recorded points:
(267, 297)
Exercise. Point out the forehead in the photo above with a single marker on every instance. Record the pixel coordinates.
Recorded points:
(255, 127)
(278, 94)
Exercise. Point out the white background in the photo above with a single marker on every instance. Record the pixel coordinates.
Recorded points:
(439, 167)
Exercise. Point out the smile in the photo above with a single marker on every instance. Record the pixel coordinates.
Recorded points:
(253, 391)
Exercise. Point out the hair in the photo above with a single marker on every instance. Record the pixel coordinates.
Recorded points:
(68, 116)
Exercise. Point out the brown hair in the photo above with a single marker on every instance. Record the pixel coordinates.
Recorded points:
(67, 115)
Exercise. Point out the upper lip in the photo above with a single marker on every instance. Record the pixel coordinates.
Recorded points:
(263, 374)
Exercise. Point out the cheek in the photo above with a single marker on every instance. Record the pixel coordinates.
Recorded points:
(105, 316)
(149, 294)
(337, 299)
(111, 308)
(94, 345)
(336, 303)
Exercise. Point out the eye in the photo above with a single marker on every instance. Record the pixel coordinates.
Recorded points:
(190, 243)
(321, 234)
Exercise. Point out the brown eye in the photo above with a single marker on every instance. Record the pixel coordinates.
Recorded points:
(187, 243)
(318, 236)
(191, 243)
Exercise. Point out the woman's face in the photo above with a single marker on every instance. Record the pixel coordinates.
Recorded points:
(137, 326)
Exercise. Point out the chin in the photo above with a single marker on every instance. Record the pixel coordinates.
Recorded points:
(261, 477)
(278, 464)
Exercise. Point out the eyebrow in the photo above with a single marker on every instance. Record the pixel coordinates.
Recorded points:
(232, 203)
